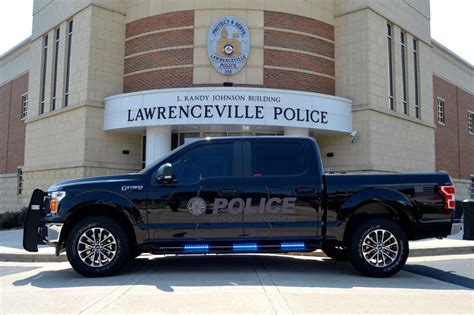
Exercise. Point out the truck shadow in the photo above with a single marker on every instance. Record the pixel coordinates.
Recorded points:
(169, 272)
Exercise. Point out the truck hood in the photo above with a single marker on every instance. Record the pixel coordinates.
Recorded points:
(98, 180)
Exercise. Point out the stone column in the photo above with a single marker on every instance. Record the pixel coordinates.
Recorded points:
(158, 143)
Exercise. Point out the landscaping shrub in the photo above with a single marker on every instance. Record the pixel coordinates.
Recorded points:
(10, 220)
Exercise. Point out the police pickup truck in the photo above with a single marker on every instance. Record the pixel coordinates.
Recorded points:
(240, 195)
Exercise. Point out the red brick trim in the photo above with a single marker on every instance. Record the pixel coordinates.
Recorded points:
(299, 23)
(295, 60)
(159, 79)
(12, 127)
(159, 59)
(221, 85)
(159, 40)
(299, 42)
(454, 146)
(159, 22)
(292, 80)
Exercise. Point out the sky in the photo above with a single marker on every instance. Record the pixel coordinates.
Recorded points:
(452, 24)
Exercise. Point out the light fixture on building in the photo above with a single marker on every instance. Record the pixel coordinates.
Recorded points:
(353, 135)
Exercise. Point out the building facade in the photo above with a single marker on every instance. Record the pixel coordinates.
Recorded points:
(113, 85)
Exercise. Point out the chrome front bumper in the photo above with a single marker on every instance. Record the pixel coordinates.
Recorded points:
(54, 232)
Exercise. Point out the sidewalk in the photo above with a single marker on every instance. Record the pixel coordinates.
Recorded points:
(11, 248)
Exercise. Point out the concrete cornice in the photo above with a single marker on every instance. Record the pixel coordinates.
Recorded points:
(21, 45)
(438, 47)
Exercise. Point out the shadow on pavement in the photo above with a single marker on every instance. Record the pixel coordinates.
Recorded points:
(10, 270)
(168, 272)
(445, 276)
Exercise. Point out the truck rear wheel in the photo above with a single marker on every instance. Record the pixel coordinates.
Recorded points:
(378, 248)
(97, 247)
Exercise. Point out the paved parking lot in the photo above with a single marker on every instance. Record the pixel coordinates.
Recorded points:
(231, 284)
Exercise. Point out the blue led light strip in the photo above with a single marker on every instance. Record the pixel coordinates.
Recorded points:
(292, 246)
(245, 247)
(196, 248)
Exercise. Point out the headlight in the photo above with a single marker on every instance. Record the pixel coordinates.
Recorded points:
(55, 198)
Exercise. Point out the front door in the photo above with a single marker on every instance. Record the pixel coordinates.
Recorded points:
(281, 190)
(208, 176)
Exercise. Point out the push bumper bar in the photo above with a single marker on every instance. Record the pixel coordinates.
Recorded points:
(33, 229)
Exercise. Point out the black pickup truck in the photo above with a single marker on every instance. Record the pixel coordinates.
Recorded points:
(240, 195)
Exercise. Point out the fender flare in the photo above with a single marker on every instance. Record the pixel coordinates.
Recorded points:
(110, 200)
(395, 200)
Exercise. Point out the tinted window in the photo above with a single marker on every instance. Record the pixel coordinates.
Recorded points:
(278, 158)
(213, 160)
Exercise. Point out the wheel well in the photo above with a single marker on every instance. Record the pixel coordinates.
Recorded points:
(378, 210)
(97, 210)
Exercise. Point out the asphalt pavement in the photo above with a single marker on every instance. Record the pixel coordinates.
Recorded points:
(234, 284)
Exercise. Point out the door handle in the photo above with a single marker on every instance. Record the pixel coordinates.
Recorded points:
(305, 190)
(229, 191)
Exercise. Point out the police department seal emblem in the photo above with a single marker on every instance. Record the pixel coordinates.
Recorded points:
(197, 206)
(228, 45)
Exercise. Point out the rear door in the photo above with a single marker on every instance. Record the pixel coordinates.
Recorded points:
(282, 197)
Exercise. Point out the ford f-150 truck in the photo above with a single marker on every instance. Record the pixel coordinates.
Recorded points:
(240, 195)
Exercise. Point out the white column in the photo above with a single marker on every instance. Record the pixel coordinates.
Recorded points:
(158, 143)
(289, 131)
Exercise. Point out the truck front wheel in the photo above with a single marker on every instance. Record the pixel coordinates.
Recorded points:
(378, 248)
(97, 247)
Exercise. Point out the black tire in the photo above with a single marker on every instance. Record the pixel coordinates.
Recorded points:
(89, 227)
(361, 244)
(135, 253)
(336, 252)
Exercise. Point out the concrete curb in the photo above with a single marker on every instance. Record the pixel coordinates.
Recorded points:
(440, 251)
(415, 252)
(31, 258)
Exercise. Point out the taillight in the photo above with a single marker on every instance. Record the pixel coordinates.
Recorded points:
(448, 193)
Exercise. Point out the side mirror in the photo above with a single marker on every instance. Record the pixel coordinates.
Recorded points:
(165, 176)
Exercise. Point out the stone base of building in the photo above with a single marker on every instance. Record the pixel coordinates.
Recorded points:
(9, 198)
(462, 189)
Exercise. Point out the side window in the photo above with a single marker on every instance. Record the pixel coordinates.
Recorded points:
(214, 160)
(278, 158)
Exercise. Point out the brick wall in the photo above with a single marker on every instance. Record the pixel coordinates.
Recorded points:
(158, 52)
(453, 143)
(466, 140)
(298, 54)
(5, 90)
(12, 128)
(158, 79)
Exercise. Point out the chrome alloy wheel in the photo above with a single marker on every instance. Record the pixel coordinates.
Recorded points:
(96, 247)
(380, 248)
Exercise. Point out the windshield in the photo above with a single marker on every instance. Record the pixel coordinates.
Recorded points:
(161, 159)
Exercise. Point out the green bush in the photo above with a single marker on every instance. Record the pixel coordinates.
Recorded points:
(10, 220)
